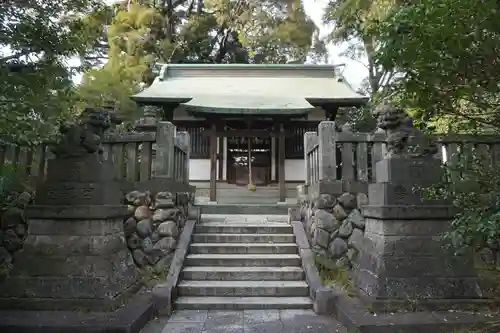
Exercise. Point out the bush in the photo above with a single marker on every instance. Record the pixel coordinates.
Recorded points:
(11, 184)
(473, 188)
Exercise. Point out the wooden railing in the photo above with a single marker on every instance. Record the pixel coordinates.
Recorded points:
(133, 156)
(311, 157)
(181, 157)
(29, 163)
(356, 154)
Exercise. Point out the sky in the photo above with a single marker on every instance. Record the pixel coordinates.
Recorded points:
(353, 71)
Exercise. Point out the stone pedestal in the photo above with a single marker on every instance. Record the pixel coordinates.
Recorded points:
(79, 181)
(402, 258)
(74, 256)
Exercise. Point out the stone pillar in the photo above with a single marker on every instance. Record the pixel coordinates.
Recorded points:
(164, 161)
(327, 150)
(327, 158)
(74, 256)
(307, 171)
(402, 258)
(148, 122)
(183, 139)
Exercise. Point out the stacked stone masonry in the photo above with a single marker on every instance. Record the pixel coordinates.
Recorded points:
(13, 229)
(153, 227)
(335, 227)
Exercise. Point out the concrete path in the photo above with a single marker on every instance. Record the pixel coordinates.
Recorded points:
(247, 321)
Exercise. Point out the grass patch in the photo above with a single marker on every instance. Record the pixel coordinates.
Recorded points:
(333, 275)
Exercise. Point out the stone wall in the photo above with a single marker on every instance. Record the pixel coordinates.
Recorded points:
(13, 229)
(153, 227)
(335, 227)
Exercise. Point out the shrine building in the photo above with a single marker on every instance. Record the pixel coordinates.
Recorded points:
(247, 122)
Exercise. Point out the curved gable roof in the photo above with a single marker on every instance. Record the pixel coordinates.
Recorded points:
(275, 88)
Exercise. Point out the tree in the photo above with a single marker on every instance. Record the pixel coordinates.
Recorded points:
(36, 39)
(449, 55)
(355, 22)
(144, 33)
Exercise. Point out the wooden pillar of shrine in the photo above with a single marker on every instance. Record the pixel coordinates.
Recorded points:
(213, 162)
(281, 162)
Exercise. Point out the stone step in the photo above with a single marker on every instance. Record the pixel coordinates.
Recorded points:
(242, 303)
(243, 288)
(242, 273)
(243, 248)
(268, 208)
(238, 200)
(242, 260)
(243, 228)
(227, 193)
(243, 238)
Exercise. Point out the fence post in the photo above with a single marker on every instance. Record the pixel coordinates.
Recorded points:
(183, 139)
(327, 150)
(164, 161)
(307, 167)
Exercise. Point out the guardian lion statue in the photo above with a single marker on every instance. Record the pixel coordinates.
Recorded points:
(84, 137)
(403, 139)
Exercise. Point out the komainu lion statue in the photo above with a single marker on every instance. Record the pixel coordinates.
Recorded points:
(84, 136)
(403, 139)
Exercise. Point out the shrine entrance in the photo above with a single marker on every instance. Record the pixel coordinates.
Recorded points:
(249, 158)
(247, 113)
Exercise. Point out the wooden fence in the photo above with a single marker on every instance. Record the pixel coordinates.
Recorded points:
(133, 156)
(357, 153)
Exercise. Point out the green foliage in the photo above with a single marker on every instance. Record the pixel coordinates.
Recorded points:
(356, 22)
(334, 275)
(473, 188)
(359, 119)
(11, 183)
(137, 36)
(36, 91)
(447, 53)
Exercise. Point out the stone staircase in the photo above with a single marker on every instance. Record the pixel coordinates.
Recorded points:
(234, 265)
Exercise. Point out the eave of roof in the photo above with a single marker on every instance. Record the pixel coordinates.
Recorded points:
(248, 89)
(249, 105)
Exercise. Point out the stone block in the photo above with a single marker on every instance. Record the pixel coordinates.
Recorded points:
(79, 193)
(417, 288)
(321, 238)
(386, 194)
(324, 302)
(71, 245)
(405, 170)
(327, 186)
(390, 266)
(405, 228)
(84, 265)
(81, 213)
(91, 268)
(406, 212)
(311, 271)
(88, 168)
(401, 259)
(69, 227)
(404, 245)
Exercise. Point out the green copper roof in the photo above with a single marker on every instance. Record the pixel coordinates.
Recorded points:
(248, 89)
(245, 105)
